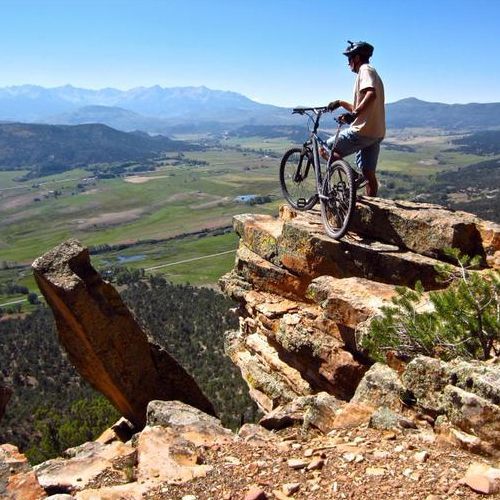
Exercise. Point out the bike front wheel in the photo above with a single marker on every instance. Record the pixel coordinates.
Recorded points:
(338, 198)
(298, 179)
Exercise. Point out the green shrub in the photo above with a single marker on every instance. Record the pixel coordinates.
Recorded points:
(463, 320)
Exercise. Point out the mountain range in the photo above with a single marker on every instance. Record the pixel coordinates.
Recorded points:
(167, 110)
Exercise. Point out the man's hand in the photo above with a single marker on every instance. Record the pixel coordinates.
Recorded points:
(347, 118)
(332, 106)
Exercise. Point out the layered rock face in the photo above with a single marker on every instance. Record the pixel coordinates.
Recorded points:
(104, 341)
(305, 296)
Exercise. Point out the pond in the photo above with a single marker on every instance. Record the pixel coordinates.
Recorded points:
(123, 259)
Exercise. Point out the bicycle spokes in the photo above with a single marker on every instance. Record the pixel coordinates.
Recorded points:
(338, 198)
(297, 178)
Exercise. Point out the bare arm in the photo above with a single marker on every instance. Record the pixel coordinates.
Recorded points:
(346, 105)
(369, 96)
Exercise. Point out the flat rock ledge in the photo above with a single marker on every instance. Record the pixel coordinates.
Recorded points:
(103, 339)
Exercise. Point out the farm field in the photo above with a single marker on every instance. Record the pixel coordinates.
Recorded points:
(194, 193)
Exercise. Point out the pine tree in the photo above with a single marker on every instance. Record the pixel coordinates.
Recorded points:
(464, 320)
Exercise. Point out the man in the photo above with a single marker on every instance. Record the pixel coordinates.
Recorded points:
(366, 115)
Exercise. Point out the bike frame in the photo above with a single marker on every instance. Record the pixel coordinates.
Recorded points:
(315, 141)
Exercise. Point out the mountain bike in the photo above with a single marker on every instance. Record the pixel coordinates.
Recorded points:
(303, 183)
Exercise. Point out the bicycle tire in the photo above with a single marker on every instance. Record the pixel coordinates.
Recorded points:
(300, 192)
(338, 204)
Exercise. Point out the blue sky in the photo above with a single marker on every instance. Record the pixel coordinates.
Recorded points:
(275, 51)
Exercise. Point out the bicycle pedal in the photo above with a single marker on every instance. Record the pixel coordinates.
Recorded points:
(301, 202)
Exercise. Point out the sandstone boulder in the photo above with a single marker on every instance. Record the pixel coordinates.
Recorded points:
(318, 411)
(385, 419)
(91, 464)
(349, 301)
(380, 386)
(423, 228)
(17, 478)
(165, 456)
(472, 414)
(104, 341)
(186, 421)
(353, 415)
(427, 379)
(482, 478)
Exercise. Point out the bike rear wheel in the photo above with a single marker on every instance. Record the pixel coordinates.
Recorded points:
(298, 179)
(339, 198)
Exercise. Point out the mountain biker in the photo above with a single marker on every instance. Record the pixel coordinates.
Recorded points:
(366, 115)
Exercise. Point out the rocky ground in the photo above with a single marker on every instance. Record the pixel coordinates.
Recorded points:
(183, 454)
(362, 464)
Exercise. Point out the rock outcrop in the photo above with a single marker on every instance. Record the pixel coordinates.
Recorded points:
(103, 339)
(305, 299)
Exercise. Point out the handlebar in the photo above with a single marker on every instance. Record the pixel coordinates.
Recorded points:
(316, 110)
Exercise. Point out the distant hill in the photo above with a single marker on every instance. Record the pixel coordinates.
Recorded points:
(412, 112)
(480, 143)
(53, 148)
(114, 117)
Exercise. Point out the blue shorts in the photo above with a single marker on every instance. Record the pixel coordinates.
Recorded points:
(366, 148)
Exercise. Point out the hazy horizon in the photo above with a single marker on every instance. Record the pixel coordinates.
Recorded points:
(97, 89)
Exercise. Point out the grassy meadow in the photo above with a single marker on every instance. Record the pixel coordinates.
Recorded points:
(177, 198)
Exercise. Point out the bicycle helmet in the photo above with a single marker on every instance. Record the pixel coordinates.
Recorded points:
(363, 49)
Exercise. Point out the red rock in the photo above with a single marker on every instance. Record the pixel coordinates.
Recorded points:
(255, 493)
(103, 339)
(482, 478)
(352, 415)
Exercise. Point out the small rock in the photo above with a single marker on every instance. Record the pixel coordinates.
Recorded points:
(349, 457)
(232, 460)
(189, 497)
(380, 455)
(399, 448)
(407, 472)
(309, 452)
(316, 464)
(297, 463)
(421, 457)
(359, 458)
(290, 488)
(279, 495)
(482, 478)
(375, 471)
(256, 493)
(432, 497)
(296, 446)
(390, 436)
